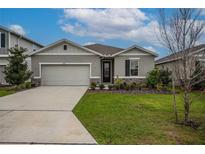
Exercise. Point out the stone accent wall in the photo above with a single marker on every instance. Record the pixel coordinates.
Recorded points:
(129, 80)
(36, 81)
(97, 80)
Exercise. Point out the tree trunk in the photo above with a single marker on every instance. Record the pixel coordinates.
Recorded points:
(174, 100)
(186, 106)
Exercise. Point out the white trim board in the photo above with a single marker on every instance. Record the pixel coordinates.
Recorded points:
(3, 64)
(137, 54)
(40, 68)
(4, 56)
(64, 54)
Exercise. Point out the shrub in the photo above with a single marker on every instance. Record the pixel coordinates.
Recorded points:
(132, 86)
(127, 87)
(159, 86)
(22, 86)
(28, 85)
(101, 86)
(93, 85)
(118, 81)
(117, 87)
(158, 77)
(17, 72)
(110, 86)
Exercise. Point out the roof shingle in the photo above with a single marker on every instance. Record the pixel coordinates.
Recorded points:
(173, 57)
(104, 49)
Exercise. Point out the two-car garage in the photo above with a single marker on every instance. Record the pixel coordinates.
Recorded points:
(68, 74)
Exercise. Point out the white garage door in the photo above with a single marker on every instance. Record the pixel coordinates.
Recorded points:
(65, 75)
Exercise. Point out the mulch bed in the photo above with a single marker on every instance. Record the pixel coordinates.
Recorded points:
(130, 91)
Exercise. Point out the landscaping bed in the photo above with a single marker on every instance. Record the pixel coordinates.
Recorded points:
(152, 91)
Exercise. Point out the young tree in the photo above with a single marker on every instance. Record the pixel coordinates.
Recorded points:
(16, 72)
(180, 31)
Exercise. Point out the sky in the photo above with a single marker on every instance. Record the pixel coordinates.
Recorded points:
(116, 27)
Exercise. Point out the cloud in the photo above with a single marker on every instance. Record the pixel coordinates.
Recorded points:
(18, 29)
(125, 24)
(88, 43)
(150, 48)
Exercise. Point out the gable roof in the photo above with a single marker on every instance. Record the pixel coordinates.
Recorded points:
(137, 47)
(17, 34)
(64, 41)
(177, 56)
(104, 49)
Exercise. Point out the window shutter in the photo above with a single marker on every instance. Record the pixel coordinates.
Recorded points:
(127, 67)
(3, 40)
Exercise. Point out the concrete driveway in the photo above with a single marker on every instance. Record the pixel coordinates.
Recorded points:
(43, 115)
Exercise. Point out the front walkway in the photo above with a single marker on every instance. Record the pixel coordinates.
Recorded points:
(43, 115)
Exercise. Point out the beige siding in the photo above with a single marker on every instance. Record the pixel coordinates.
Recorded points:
(146, 64)
(94, 60)
(70, 49)
(14, 40)
(135, 51)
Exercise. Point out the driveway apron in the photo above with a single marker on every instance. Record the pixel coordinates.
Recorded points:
(43, 115)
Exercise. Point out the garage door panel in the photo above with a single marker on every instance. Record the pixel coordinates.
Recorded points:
(65, 75)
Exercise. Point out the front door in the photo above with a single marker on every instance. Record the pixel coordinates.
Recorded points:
(106, 71)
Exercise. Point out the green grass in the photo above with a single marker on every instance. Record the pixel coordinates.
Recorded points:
(5, 91)
(139, 119)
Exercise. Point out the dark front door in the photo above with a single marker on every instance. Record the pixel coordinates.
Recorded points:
(106, 71)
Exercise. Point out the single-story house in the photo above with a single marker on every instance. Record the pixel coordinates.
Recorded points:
(67, 63)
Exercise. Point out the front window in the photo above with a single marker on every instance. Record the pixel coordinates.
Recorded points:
(133, 67)
(2, 40)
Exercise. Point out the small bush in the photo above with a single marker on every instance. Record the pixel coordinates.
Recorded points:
(28, 85)
(118, 81)
(123, 85)
(127, 87)
(132, 86)
(117, 87)
(93, 85)
(101, 86)
(158, 78)
(22, 86)
(110, 87)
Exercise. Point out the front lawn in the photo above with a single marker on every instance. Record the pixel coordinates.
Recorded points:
(5, 91)
(138, 119)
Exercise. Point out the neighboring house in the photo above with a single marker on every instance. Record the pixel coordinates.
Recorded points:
(169, 62)
(8, 39)
(68, 63)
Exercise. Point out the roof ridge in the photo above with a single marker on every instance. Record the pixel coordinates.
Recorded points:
(104, 45)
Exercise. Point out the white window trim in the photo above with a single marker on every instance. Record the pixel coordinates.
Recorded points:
(89, 64)
(134, 59)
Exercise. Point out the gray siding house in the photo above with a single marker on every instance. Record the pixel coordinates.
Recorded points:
(67, 63)
(169, 61)
(8, 39)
